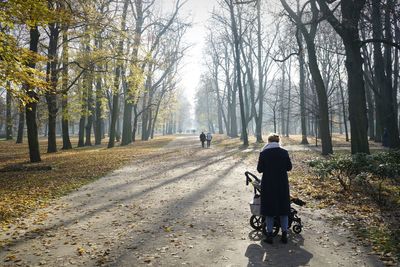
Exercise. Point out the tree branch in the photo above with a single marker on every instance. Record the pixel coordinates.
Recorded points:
(374, 40)
(286, 58)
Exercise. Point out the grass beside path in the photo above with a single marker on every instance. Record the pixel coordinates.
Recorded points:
(25, 187)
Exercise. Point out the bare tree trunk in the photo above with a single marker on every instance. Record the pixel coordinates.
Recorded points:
(396, 71)
(238, 73)
(51, 95)
(21, 124)
(82, 120)
(88, 83)
(390, 121)
(282, 102)
(288, 101)
(343, 108)
(349, 31)
(302, 63)
(98, 129)
(260, 77)
(135, 122)
(9, 122)
(219, 107)
(64, 88)
(115, 108)
(31, 107)
(309, 36)
(127, 119)
(371, 112)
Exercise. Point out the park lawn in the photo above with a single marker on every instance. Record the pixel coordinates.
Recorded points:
(25, 187)
(373, 224)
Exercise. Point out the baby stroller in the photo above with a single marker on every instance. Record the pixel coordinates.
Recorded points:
(258, 222)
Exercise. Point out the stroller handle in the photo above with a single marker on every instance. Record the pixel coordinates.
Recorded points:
(248, 179)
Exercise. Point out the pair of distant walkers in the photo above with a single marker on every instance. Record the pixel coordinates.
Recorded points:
(205, 137)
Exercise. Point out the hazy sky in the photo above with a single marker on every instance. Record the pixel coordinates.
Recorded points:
(198, 11)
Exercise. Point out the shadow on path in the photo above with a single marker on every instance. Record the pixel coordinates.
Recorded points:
(98, 204)
(289, 255)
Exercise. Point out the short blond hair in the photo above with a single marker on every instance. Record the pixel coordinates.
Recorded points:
(273, 137)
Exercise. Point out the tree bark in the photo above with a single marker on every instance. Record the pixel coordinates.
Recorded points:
(52, 78)
(9, 121)
(390, 120)
(288, 101)
(260, 78)
(64, 87)
(98, 129)
(282, 101)
(83, 113)
(88, 84)
(128, 105)
(349, 31)
(238, 73)
(21, 124)
(31, 107)
(118, 69)
(302, 63)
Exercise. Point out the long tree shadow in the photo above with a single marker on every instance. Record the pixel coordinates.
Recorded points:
(121, 184)
(183, 205)
(107, 205)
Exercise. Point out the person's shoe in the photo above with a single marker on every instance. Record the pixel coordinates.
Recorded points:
(284, 238)
(269, 238)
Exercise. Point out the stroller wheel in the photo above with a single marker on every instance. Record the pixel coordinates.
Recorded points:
(257, 222)
(297, 229)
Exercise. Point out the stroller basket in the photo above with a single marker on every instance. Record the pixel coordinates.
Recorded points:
(255, 205)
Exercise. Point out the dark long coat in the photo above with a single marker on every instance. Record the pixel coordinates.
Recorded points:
(274, 163)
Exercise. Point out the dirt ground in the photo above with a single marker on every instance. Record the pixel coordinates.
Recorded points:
(182, 206)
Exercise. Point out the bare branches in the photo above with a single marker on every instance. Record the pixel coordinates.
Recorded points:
(285, 58)
(383, 41)
(243, 2)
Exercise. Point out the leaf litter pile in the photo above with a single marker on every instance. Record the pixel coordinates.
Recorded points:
(25, 187)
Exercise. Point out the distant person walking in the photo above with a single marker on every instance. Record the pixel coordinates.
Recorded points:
(202, 139)
(208, 138)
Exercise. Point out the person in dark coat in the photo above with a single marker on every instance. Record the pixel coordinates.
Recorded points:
(202, 139)
(274, 163)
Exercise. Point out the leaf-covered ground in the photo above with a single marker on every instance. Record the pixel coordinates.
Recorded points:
(182, 206)
(25, 187)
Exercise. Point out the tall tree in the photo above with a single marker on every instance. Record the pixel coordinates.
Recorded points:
(348, 29)
(52, 79)
(64, 89)
(31, 107)
(302, 84)
(236, 40)
(117, 80)
(309, 37)
(128, 105)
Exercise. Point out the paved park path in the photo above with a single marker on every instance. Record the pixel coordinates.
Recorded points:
(184, 206)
